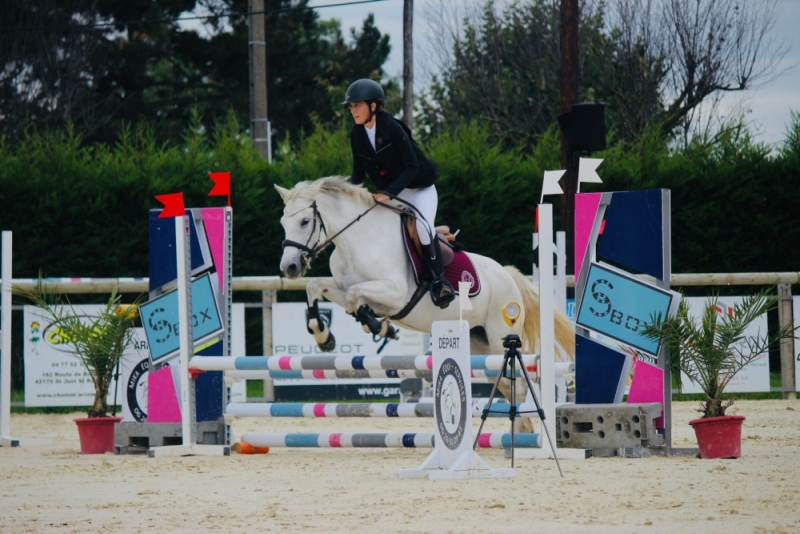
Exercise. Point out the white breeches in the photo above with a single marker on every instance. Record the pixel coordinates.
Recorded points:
(426, 200)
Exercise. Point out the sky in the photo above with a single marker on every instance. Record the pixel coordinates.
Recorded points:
(768, 105)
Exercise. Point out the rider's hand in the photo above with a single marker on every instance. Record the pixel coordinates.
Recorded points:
(380, 197)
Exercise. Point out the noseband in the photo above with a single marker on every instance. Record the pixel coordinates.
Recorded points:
(309, 253)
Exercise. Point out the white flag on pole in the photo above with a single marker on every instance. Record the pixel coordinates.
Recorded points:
(550, 185)
(463, 295)
(586, 171)
(463, 299)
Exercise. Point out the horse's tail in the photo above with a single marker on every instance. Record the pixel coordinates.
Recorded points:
(565, 332)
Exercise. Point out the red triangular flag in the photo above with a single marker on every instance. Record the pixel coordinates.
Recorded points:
(222, 185)
(173, 205)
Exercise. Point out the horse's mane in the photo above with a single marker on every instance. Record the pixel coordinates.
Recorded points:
(335, 185)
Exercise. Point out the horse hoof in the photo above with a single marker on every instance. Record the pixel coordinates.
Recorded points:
(329, 345)
(391, 332)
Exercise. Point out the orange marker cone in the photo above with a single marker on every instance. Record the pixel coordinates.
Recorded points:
(246, 448)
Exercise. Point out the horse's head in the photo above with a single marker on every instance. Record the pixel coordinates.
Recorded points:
(315, 214)
(303, 228)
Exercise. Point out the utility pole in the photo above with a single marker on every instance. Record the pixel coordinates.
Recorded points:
(787, 344)
(569, 95)
(259, 124)
(408, 63)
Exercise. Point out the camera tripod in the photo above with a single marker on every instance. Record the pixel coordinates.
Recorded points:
(512, 343)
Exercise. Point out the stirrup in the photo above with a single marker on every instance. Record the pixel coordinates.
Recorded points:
(437, 287)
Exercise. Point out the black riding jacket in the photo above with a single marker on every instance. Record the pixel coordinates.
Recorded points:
(396, 163)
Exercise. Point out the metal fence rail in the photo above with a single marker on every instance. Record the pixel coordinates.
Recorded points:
(269, 285)
(278, 283)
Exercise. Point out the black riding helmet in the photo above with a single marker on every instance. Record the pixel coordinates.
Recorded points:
(365, 90)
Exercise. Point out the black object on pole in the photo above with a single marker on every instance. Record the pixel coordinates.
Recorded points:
(584, 126)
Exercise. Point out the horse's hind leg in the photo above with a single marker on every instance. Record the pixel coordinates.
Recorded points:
(372, 325)
(382, 295)
(316, 326)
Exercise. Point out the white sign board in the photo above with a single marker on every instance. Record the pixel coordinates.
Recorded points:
(452, 391)
(796, 312)
(54, 376)
(290, 336)
(132, 389)
(238, 389)
(752, 378)
(453, 457)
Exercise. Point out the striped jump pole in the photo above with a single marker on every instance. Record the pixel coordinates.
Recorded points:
(337, 367)
(380, 440)
(405, 409)
(338, 363)
(361, 374)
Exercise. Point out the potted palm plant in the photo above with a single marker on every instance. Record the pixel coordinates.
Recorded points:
(711, 350)
(98, 341)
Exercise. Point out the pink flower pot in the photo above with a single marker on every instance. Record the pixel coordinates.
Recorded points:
(97, 434)
(719, 437)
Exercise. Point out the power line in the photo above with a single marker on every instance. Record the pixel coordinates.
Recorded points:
(226, 14)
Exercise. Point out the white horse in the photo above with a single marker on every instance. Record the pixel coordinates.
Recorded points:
(371, 271)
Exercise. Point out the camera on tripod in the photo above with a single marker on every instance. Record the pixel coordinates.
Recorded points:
(508, 370)
(512, 342)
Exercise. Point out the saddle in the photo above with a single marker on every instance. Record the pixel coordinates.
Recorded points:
(448, 243)
(458, 267)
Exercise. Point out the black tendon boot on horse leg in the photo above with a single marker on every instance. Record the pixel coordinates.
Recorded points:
(442, 292)
(373, 325)
(315, 325)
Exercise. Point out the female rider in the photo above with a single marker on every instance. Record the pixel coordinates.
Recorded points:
(383, 149)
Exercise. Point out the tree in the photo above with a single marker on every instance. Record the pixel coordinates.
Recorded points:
(501, 68)
(100, 63)
(653, 62)
(672, 61)
(52, 57)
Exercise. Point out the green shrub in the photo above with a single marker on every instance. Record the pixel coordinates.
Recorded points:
(80, 210)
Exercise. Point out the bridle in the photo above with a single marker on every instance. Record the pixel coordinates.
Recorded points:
(309, 253)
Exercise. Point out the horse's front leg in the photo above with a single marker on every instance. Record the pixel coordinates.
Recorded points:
(316, 326)
(384, 296)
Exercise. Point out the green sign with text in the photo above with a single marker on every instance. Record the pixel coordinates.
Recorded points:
(618, 305)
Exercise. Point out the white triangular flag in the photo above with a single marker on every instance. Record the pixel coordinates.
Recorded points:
(586, 171)
(550, 185)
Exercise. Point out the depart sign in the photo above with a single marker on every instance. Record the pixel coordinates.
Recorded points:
(160, 319)
(619, 305)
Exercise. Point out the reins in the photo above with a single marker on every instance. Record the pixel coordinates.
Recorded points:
(310, 253)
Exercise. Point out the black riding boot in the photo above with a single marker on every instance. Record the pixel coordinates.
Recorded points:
(442, 292)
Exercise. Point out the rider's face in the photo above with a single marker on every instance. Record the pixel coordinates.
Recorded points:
(360, 112)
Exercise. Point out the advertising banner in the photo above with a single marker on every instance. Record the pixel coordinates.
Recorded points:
(290, 336)
(796, 315)
(752, 378)
(53, 375)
